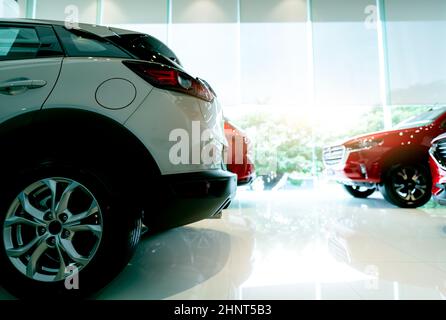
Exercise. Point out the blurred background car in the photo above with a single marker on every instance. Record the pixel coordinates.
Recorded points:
(237, 159)
(396, 161)
(437, 161)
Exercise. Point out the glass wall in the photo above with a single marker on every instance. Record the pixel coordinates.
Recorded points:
(416, 33)
(274, 53)
(346, 62)
(205, 36)
(144, 16)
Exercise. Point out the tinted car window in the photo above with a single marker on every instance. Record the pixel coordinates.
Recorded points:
(49, 44)
(422, 119)
(18, 43)
(78, 43)
(146, 47)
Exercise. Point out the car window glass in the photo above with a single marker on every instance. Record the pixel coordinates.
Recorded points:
(145, 47)
(7, 38)
(422, 119)
(78, 43)
(87, 45)
(18, 43)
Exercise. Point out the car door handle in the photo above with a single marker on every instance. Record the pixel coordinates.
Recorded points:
(20, 86)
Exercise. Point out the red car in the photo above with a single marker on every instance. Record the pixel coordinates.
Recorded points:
(437, 163)
(237, 159)
(396, 162)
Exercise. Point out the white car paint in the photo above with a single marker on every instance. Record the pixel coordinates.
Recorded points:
(80, 78)
(151, 115)
(179, 111)
(33, 99)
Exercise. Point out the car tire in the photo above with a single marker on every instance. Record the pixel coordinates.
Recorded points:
(407, 185)
(359, 192)
(75, 222)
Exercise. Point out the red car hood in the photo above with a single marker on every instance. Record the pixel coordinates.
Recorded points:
(386, 133)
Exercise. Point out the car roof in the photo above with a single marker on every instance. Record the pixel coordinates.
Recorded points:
(98, 30)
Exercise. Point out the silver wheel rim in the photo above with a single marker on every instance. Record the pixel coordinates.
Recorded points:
(409, 184)
(52, 229)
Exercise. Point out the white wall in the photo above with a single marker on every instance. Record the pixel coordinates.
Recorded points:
(273, 11)
(9, 9)
(134, 12)
(143, 16)
(204, 11)
(85, 10)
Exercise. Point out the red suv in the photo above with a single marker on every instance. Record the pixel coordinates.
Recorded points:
(437, 162)
(396, 162)
(237, 158)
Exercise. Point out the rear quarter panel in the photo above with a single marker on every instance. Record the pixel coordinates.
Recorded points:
(80, 79)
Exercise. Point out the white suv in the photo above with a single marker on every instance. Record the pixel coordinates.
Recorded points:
(89, 119)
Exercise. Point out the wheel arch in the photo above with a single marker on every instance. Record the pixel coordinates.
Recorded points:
(64, 132)
(406, 154)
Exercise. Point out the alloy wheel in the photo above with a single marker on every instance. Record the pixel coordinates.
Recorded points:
(409, 183)
(52, 229)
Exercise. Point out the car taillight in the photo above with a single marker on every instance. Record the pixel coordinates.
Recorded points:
(165, 77)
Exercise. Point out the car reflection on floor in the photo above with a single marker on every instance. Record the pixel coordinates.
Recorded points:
(194, 262)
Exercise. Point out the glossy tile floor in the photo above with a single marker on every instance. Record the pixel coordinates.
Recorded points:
(303, 244)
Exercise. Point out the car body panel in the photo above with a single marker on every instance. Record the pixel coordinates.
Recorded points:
(80, 79)
(46, 69)
(183, 112)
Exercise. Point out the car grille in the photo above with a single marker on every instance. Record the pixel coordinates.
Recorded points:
(333, 155)
(439, 152)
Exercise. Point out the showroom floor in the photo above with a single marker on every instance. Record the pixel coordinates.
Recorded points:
(301, 244)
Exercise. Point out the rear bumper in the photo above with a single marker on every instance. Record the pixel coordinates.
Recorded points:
(246, 180)
(190, 197)
(245, 172)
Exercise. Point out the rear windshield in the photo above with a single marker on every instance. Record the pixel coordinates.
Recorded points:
(422, 119)
(146, 47)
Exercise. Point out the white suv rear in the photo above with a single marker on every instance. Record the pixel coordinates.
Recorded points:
(100, 128)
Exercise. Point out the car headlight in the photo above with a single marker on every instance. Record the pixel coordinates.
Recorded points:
(433, 148)
(364, 144)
